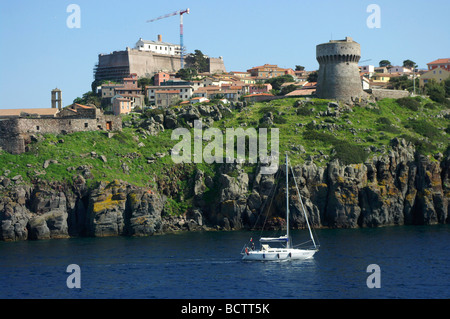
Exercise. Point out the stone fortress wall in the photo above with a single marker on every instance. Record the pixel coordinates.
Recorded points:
(119, 64)
(338, 76)
(15, 132)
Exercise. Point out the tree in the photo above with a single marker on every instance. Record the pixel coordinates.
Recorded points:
(277, 81)
(299, 68)
(436, 91)
(88, 98)
(197, 61)
(447, 87)
(409, 64)
(143, 82)
(187, 74)
(288, 89)
(312, 77)
(385, 63)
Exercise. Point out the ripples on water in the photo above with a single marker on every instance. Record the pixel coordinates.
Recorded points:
(413, 260)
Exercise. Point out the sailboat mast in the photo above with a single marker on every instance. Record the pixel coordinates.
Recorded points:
(287, 204)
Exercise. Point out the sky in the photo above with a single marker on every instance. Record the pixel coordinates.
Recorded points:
(39, 51)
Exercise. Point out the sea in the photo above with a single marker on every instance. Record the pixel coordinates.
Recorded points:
(404, 262)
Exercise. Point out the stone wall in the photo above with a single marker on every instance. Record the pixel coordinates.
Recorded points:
(385, 93)
(119, 64)
(216, 65)
(15, 132)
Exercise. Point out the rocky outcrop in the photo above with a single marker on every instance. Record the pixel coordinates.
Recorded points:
(400, 187)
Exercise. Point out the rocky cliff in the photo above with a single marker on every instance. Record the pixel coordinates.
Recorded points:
(398, 184)
(395, 189)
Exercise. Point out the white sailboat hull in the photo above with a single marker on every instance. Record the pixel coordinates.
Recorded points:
(278, 254)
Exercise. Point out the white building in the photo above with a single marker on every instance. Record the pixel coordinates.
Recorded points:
(367, 68)
(185, 91)
(158, 46)
(399, 69)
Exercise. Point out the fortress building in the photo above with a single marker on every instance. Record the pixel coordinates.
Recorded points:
(145, 59)
(338, 76)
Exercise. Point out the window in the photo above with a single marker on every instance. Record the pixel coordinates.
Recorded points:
(37, 128)
(86, 125)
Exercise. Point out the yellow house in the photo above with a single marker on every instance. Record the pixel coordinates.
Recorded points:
(381, 77)
(438, 74)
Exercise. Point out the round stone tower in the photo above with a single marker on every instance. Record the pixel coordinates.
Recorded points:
(338, 76)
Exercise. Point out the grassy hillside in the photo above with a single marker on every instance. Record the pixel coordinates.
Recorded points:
(307, 129)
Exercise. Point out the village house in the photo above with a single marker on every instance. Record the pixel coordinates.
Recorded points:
(268, 71)
(128, 90)
(166, 98)
(260, 88)
(184, 91)
(437, 74)
(160, 77)
(439, 63)
(121, 105)
(399, 69)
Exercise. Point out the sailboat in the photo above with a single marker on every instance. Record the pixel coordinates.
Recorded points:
(284, 250)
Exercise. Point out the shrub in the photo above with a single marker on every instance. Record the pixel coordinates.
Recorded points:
(424, 128)
(421, 146)
(409, 103)
(304, 111)
(349, 153)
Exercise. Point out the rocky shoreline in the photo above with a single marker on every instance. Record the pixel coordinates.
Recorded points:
(399, 188)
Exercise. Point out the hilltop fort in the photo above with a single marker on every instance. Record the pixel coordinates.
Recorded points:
(146, 59)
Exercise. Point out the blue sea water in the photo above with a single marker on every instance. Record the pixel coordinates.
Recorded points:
(414, 262)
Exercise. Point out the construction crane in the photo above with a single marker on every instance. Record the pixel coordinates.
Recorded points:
(179, 12)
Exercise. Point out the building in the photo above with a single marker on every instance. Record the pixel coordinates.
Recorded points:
(267, 71)
(107, 90)
(145, 60)
(399, 69)
(121, 105)
(184, 91)
(440, 63)
(338, 76)
(166, 98)
(158, 46)
(367, 68)
(437, 74)
(260, 88)
(198, 100)
(382, 77)
(161, 77)
(16, 131)
(36, 112)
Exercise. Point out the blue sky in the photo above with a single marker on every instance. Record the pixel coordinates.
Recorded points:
(38, 52)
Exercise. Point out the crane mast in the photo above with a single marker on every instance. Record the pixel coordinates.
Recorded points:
(179, 12)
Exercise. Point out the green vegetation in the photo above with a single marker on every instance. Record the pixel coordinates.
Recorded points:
(308, 129)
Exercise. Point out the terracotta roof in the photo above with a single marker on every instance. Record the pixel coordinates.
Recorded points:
(82, 106)
(301, 92)
(17, 112)
(168, 91)
(259, 94)
(440, 61)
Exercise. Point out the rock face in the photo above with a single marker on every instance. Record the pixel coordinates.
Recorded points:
(120, 209)
(398, 188)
